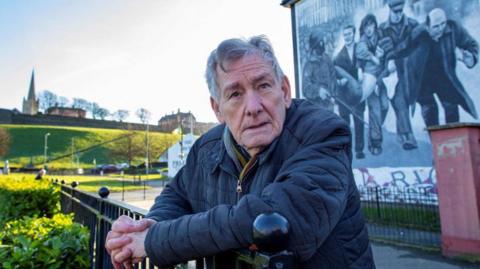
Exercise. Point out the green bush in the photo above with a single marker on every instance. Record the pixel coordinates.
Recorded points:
(27, 197)
(50, 243)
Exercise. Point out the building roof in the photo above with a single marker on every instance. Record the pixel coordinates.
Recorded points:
(174, 116)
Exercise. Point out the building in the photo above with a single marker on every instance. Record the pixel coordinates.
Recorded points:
(30, 105)
(66, 111)
(186, 121)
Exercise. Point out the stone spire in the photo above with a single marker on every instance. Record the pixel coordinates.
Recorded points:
(31, 92)
(30, 105)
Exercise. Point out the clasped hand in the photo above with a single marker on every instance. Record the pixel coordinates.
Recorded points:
(125, 242)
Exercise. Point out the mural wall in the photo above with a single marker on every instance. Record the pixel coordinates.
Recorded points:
(390, 69)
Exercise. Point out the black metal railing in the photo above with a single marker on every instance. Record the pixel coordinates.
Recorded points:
(98, 213)
(408, 215)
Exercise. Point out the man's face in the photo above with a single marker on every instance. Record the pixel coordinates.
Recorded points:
(396, 13)
(252, 102)
(438, 22)
(370, 29)
(348, 36)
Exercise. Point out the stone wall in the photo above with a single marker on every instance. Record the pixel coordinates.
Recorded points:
(8, 117)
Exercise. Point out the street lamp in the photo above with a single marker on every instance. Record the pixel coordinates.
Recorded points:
(45, 150)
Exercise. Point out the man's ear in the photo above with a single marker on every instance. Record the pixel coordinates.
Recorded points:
(287, 91)
(216, 110)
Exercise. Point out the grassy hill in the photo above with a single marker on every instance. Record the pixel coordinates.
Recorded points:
(27, 145)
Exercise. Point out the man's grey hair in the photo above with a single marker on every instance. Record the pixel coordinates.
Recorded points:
(231, 50)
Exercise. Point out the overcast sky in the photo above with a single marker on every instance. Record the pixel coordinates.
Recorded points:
(129, 54)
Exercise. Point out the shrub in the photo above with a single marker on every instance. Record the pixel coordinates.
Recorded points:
(27, 197)
(51, 243)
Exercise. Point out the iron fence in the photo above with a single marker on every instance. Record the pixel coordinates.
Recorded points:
(406, 215)
(98, 213)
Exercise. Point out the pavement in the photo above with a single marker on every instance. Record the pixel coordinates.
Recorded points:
(386, 256)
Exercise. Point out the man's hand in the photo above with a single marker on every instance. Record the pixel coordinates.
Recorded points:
(134, 251)
(468, 59)
(117, 239)
(323, 93)
(379, 52)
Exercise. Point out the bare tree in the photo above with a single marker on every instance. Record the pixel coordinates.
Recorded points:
(102, 113)
(120, 114)
(4, 142)
(93, 108)
(143, 114)
(81, 103)
(47, 99)
(63, 101)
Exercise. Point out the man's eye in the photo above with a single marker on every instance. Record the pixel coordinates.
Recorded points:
(264, 86)
(233, 95)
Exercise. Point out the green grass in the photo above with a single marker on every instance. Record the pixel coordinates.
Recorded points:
(27, 145)
(93, 183)
(405, 216)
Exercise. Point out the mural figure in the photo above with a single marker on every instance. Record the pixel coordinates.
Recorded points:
(397, 28)
(319, 73)
(434, 72)
(370, 54)
(347, 73)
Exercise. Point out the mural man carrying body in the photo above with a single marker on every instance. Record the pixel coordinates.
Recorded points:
(398, 27)
(434, 70)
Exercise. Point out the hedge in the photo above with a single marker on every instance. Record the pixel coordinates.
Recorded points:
(27, 197)
(51, 243)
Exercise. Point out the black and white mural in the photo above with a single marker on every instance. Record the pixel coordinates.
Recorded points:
(390, 68)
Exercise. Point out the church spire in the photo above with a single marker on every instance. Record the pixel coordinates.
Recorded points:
(31, 91)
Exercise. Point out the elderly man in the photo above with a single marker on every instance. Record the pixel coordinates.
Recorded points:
(398, 27)
(270, 153)
(434, 70)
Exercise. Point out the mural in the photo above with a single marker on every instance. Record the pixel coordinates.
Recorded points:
(390, 69)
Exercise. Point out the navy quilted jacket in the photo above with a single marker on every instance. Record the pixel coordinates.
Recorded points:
(305, 175)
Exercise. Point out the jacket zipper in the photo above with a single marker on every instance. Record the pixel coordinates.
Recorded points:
(244, 174)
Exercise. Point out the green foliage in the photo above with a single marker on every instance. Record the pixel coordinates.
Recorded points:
(4, 141)
(27, 145)
(27, 197)
(51, 243)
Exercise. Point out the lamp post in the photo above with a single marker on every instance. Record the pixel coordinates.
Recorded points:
(45, 150)
(147, 144)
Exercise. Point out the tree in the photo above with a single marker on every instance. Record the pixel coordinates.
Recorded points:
(120, 115)
(93, 108)
(81, 103)
(102, 113)
(47, 99)
(127, 149)
(143, 114)
(4, 142)
(63, 101)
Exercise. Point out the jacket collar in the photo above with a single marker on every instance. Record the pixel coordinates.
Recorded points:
(227, 143)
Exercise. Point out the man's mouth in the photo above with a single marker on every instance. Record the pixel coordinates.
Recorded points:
(255, 126)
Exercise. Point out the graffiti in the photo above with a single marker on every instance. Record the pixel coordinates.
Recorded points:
(451, 147)
(400, 185)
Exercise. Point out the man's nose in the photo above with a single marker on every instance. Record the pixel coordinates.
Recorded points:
(253, 104)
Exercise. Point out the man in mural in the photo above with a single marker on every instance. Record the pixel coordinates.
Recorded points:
(370, 54)
(434, 72)
(319, 77)
(398, 27)
(348, 103)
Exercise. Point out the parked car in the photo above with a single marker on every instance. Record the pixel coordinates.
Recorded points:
(106, 168)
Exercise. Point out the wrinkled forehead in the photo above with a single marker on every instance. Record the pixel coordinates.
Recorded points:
(437, 18)
(251, 62)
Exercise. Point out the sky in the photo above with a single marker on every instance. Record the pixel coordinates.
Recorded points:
(126, 54)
